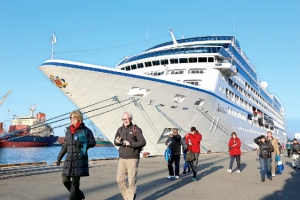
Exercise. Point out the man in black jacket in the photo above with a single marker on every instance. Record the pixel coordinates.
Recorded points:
(296, 153)
(130, 140)
(174, 141)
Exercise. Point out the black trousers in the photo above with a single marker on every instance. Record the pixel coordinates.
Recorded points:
(289, 152)
(176, 159)
(73, 187)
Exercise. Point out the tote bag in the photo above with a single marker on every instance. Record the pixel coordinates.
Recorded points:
(190, 156)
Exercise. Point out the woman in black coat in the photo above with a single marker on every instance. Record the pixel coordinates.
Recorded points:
(265, 150)
(78, 140)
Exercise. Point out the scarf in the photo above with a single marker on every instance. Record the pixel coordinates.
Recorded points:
(74, 128)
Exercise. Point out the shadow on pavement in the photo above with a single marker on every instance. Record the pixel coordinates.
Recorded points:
(290, 189)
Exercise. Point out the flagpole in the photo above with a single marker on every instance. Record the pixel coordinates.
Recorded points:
(53, 41)
(52, 53)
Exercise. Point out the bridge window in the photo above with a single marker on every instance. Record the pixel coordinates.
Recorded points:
(122, 68)
(155, 63)
(148, 64)
(127, 68)
(183, 60)
(164, 62)
(133, 67)
(210, 59)
(174, 61)
(202, 59)
(192, 60)
(140, 65)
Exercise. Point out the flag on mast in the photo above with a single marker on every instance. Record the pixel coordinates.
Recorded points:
(53, 39)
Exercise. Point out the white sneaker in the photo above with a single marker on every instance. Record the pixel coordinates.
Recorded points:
(170, 176)
(273, 174)
(238, 171)
(229, 171)
(177, 177)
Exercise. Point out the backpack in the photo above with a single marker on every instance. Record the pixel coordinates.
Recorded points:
(134, 133)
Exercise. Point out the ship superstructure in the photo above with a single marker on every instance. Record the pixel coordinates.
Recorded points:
(206, 82)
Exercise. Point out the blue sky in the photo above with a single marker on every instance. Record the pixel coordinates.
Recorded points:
(268, 32)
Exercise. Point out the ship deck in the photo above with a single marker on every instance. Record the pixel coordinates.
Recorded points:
(44, 181)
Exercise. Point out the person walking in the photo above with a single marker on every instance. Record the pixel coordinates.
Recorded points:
(186, 165)
(289, 148)
(296, 153)
(274, 143)
(130, 140)
(265, 151)
(174, 141)
(234, 146)
(193, 140)
(78, 140)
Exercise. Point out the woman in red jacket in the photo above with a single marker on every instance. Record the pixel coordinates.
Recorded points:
(193, 141)
(234, 145)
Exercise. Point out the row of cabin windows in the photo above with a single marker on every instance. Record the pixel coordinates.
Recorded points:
(267, 107)
(166, 62)
(158, 73)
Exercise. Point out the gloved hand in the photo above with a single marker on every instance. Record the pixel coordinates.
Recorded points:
(77, 143)
(57, 162)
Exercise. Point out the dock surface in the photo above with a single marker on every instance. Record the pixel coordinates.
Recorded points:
(43, 182)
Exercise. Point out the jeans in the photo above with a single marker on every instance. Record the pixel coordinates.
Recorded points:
(73, 187)
(238, 161)
(265, 167)
(194, 165)
(176, 159)
(186, 164)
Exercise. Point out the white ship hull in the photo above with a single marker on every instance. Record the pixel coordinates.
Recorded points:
(88, 84)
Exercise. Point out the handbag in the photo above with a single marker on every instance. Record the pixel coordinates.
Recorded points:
(190, 156)
(168, 154)
(280, 166)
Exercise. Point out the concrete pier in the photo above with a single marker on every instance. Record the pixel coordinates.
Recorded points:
(43, 182)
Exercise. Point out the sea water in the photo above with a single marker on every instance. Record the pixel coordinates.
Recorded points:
(48, 154)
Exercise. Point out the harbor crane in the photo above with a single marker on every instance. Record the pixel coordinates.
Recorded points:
(4, 98)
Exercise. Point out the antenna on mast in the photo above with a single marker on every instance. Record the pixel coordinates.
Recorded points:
(173, 38)
(234, 33)
(147, 38)
(53, 41)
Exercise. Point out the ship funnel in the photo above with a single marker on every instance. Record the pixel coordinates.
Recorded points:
(173, 38)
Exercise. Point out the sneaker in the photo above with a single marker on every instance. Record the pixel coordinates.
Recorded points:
(270, 178)
(262, 180)
(194, 179)
(184, 172)
(238, 171)
(177, 177)
(170, 176)
(273, 174)
(229, 171)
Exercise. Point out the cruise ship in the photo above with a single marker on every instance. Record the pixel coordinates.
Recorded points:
(207, 82)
